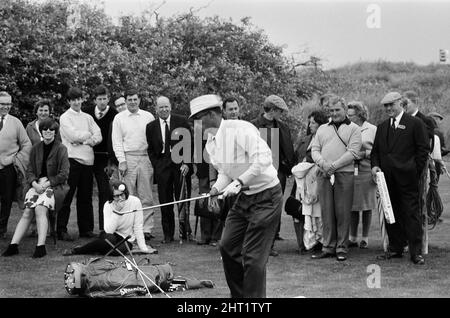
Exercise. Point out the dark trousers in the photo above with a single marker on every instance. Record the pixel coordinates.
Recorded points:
(80, 180)
(99, 245)
(184, 209)
(246, 241)
(169, 187)
(104, 191)
(8, 180)
(210, 228)
(407, 227)
(282, 177)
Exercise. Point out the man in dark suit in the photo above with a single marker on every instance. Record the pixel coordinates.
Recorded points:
(400, 151)
(412, 108)
(162, 135)
(103, 116)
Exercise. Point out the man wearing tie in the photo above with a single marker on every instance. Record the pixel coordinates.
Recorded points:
(400, 151)
(103, 116)
(168, 172)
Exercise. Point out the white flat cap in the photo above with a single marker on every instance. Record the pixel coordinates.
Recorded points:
(204, 102)
(276, 101)
(390, 98)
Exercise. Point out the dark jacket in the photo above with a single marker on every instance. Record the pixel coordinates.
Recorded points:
(105, 124)
(155, 145)
(286, 151)
(403, 157)
(57, 169)
(429, 125)
(302, 151)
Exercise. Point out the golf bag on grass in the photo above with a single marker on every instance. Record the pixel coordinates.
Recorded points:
(99, 277)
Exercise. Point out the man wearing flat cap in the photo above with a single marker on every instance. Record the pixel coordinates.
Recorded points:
(242, 159)
(400, 151)
(278, 137)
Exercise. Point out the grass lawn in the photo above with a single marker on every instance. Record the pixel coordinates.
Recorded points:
(288, 275)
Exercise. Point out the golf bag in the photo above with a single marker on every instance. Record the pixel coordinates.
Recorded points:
(99, 277)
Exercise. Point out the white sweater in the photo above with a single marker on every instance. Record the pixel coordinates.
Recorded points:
(126, 224)
(78, 129)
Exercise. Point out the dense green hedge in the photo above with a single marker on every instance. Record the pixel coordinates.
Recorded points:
(182, 57)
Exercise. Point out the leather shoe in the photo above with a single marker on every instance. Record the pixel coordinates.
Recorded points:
(321, 254)
(202, 243)
(88, 234)
(390, 255)
(341, 256)
(167, 240)
(64, 236)
(352, 244)
(148, 236)
(418, 259)
(363, 245)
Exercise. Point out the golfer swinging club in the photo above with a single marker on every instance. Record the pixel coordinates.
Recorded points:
(242, 158)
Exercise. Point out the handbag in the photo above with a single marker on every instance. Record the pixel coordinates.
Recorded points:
(292, 206)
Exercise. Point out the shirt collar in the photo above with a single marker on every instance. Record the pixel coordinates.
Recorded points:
(415, 113)
(97, 111)
(74, 112)
(161, 121)
(345, 121)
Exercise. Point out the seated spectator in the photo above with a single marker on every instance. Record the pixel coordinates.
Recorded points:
(42, 109)
(116, 226)
(47, 176)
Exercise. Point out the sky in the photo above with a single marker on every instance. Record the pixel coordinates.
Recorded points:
(339, 32)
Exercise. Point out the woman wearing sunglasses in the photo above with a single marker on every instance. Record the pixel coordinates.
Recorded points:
(117, 226)
(47, 176)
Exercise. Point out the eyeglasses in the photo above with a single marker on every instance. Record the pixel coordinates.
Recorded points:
(388, 105)
(47, 129)
(117, 196)
(5, 104)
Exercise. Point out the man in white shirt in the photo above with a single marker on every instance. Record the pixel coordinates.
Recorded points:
(242, 158)
(130, 147)
(79, 133)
